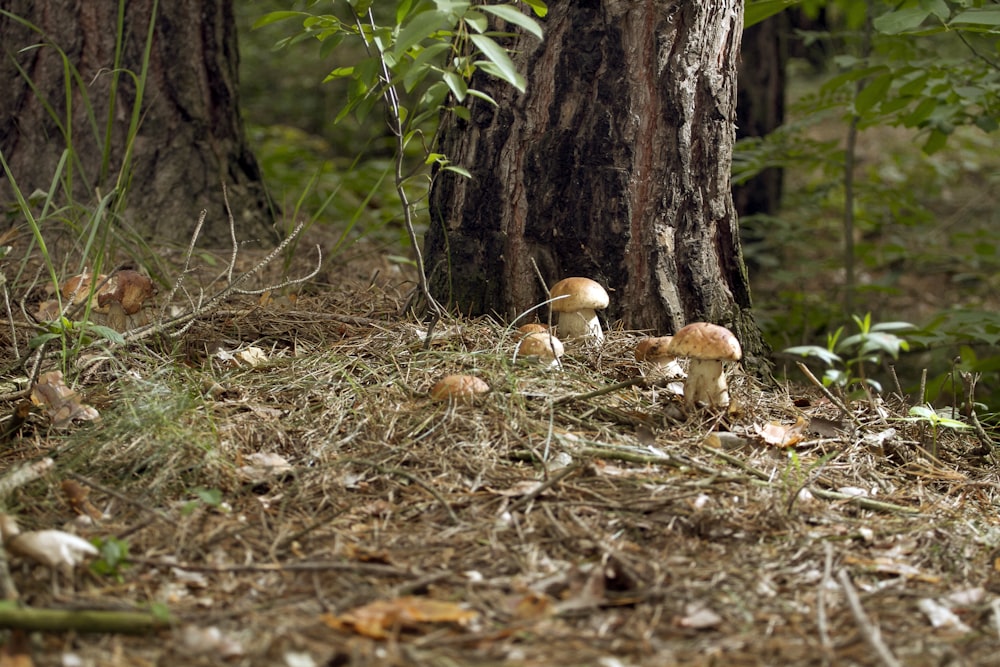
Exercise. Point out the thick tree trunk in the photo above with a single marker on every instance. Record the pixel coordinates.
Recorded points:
(190, 141)
(615, 166)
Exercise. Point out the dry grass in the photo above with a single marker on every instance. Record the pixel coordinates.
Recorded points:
(611, 530)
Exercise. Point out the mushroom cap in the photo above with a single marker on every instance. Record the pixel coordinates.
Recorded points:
(578, 294)
(703, 340)
(78, 286)
(540, 344)
(655, 350)
(530, 328)
(458, 387)
(127, 287)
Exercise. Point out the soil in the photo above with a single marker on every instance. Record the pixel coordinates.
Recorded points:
(579, 515)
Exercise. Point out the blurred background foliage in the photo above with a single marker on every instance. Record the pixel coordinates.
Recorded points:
(888, 112)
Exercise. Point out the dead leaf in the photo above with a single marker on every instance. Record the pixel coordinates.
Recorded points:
(252, 356)
(16, 652)
(530, 606)
(781, 435)
(62, 404)
(377, 619)
(941, 617)
(698, 617)
(76, 495)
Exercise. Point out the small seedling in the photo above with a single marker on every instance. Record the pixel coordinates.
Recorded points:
(937, 421)
(848, 358)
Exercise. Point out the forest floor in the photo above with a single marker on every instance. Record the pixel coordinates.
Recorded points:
(307, 503)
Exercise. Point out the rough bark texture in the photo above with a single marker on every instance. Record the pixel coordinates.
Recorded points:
(615, 165)
(190, 142)
(761, 107)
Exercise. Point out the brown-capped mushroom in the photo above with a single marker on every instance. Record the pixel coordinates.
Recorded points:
(656, 352)
(128, 288)
(707, 346)
(576, 300)
(458, 388)
(530, 328)
(541, 345)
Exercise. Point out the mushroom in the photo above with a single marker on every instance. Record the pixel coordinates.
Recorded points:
(59, 551)
(707, 346)
(576, 299)
(542, 346)
(530, 328)
(656, 352)
(122, 296)
(458, 388)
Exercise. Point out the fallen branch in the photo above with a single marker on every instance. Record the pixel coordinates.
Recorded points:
(16, 617)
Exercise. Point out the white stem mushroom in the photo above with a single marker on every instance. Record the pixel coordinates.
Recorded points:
(576, 300)
(707, 346)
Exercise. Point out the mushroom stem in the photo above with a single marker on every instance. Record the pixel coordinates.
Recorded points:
(706, 383)
(581, 323)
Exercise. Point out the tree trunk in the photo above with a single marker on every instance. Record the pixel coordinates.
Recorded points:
(761, 107)
(190, 140)
(615, 165)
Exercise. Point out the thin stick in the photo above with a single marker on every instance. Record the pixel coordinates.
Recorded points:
(543, 487)
(829, 394)
(869, 631)
(824, 584)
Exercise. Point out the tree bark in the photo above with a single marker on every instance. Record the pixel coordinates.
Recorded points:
(615, 165)
(190, 140)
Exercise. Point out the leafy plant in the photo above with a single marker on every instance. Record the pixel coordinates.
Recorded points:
(848, 358)
(928, 415)
(419, 63)
(113, 559)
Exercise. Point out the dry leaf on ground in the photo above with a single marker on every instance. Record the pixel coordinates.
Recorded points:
(377, 619)
(782, 435)
(62, 404)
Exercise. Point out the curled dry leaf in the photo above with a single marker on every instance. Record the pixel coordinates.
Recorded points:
(377, 619)
(77, 497)
(62, 404)
(782, 435)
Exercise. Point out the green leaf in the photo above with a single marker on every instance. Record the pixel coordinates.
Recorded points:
(421, 65)
(456, 84)
(107, 333)
(935, 142)
(274, 17)
(483, 96)
(816, 351)
(537, 6)
(503, 65)
(453, 8)
(512, 14)
(476, 21)
(755, 12)
(461, 171)
(422, 26)
(984, 16)
(873, 93)
(901, 20)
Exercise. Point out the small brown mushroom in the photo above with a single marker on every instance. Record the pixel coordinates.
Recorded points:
(576, 300)
(656, 352)
(530, 328)
(458, 388)
(707, 346)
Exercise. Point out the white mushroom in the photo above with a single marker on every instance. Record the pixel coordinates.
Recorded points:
(57, 550)
(707, 346)
(576, 300)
